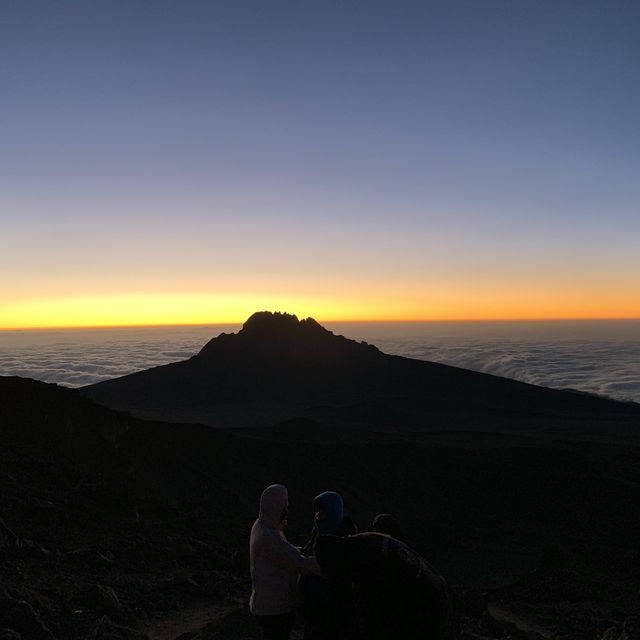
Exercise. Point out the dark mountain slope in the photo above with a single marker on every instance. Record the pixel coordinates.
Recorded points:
(277, 368)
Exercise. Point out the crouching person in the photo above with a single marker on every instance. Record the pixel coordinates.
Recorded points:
(397, 593)
(275, 566)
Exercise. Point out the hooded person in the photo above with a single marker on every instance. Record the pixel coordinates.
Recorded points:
(275, 566)
(329, 517)
(397, 594)
(326, 604)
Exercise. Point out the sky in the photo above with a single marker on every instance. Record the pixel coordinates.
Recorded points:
(166, 162)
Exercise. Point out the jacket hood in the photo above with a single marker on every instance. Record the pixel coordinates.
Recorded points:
(274, 499)
(332, 504)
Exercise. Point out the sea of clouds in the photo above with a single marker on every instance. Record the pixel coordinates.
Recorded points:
(82, 357)
(602, 359)
(605, 368)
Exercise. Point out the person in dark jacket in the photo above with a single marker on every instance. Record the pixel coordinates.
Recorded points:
(329, 517)
(397, 594)
(327, 602)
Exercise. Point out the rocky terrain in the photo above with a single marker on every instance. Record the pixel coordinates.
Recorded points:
(115, 527)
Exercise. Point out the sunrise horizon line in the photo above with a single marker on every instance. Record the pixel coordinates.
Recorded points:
(162, 325)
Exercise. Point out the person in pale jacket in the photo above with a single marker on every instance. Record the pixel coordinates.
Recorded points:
(275, 566)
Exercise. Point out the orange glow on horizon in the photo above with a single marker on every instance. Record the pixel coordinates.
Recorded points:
(176, 309)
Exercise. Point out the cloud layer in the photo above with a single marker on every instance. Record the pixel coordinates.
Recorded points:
(78, 358)
(607, 366)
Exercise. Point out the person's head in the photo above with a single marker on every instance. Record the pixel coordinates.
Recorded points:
(387, 524)
(333, 555)
(328, 512)
(274, 506)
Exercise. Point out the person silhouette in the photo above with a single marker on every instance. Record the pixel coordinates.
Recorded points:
(327, 604)
(386, 523)
(397, 594)
(275, 566)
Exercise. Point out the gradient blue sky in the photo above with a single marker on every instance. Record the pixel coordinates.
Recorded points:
(357, 160)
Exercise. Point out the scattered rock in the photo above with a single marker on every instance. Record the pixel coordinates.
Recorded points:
(8, 533)
(90, 558)
(31, 549)
(475, 603)
(187, 586)
(105, 602)
(106, 629)
(239, 562)
(166, 602)
(630, 630)
(472, 635)
(516, 622)
(45, 511)
(11, 544)
(236, 623)
(18, 616)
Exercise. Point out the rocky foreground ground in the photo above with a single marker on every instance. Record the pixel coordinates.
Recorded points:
(168, 576)
(117, 528)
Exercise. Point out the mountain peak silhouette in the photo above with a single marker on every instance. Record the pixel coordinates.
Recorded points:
(278, 367)
(268, 324)
(284, 340)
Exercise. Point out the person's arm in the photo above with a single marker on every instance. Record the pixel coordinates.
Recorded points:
(289, 557)
(308, 548)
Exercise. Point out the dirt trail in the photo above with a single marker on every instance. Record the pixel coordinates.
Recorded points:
(185, 621)
(522, 620)
(232, 621)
